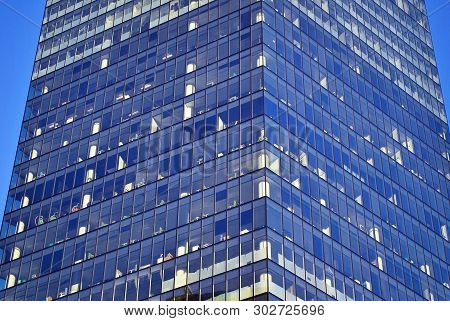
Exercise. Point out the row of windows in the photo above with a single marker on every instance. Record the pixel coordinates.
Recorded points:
(321, 51)
(325, 77)
(244, 283)
(414, 9)
(150, 122)
(393, 15)
(124, 31)
(406, 159)
(391, 33)
(123, 262)
(285, 141)
(189, 269)
(399, 221)
(273, 194)
(55, 120)
(432, 202)
(365, 272)
(188, 75)
(87, 17)
(356, 144)
(280, 48)
(283, 93)
(350, 189)
(152, 223)
(92, 45)
(326, 169)
(55, 8)
(394, 131)
(168, 48)
(145, 173)
(388, 146)
(140, 255)
(276, 193)
(151, 283)
(352, 213)
(160, 142)
(379, 63)
(156, 124)
(117, 17)
(314, 163)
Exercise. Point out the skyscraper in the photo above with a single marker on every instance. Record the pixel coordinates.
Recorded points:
(230, 150)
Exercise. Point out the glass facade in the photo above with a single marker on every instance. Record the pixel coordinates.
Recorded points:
(230, 150)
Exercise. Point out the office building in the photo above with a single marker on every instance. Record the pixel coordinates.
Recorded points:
(230, 150)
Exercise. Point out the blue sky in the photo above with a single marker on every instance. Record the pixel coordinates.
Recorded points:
(19, 31)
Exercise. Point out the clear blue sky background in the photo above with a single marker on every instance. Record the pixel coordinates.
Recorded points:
(19, 31)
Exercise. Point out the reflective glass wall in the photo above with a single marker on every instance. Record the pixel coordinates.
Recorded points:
(230, 150)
